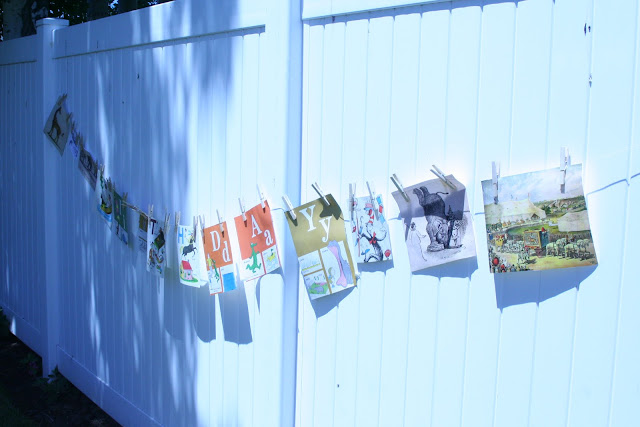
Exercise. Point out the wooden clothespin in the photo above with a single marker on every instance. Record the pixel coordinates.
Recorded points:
(565, 162)
(150, 211)
(437, 172)
(167, 218)
(287, 202)
(495, 173)
(373, 201)
(201, 217)
(261, 195)
(316, 187)
(398, 184)
(352, 199)
(221, 222)
(244, 217)
(177, 218)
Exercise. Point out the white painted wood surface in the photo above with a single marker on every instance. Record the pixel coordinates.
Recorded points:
(184, 105)
(459, 84)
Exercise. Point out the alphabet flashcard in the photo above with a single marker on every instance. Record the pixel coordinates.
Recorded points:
(156, 249)
(105, 198)
(321, 245)
(220, 267)
(57, 126)
(438, 224)
(88, 167)
(258, 248)
(191, 257)
(120, 215)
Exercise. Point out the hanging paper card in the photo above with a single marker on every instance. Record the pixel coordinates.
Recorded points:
(105, 201)
(156, 248)
(535, 226)
(143, 223)
(438, 224)
(190, 257)
(74, 143)
(220, 267)
(120, 215)
(258, 247)
(321, 245)
(57, 126)
(370, 230)
(88, 167)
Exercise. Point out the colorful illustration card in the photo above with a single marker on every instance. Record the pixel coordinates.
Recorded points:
(156, 247)
(370, 230)
(257, 239)
(191, 257)
(75, 142)
(220, 267)
(438, 224)
(105, 199)
(143, 224)
(536, 226)
(120, 215)
(58, 124)
(88, 167)
(321, 245)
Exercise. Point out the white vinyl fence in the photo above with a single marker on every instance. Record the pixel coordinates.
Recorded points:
(190, 104)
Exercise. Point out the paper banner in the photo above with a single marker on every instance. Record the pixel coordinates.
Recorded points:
(57, 126)
(190, 257)
(438, 224)
(220, 267)
(88, 167)
(257, 241)
(535, 226)
(104, 199)
(120, 216)
(321, 245)
(156, 247)
(370, 232)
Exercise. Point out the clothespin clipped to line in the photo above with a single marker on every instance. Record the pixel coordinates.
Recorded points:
(150, 211)
(244, 217)
(352, 199)
(287, 202)
(316, 187)
(565, 162)
(201, 217)
(261, 195)
(495, 173)
(373, 201)
(167, 218)
(437, 172)
(177, 218)
(398, 184)
(220, 221)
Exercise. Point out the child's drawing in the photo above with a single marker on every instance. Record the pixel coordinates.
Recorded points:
(370, 230)
(536, 226)
(438, 224)
(323, 251)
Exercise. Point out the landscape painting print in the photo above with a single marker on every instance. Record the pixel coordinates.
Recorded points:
(156, 248)
(536, 226)
(257, 240)
(105, 201)
(58, 124)
(120, 215)
(220, 267)
(190, 257)
(370, 230)
(438, 224)
(321, 245)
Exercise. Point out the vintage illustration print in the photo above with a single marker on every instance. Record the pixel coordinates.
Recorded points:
(321, 245)
(536, 226)
(58, 124)
(257, 240)
(88, 167)
(120, 215)
(438, 224)
(190, 257)
(220, 267)
(156, 248)
(105, 199)
(370, 230)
